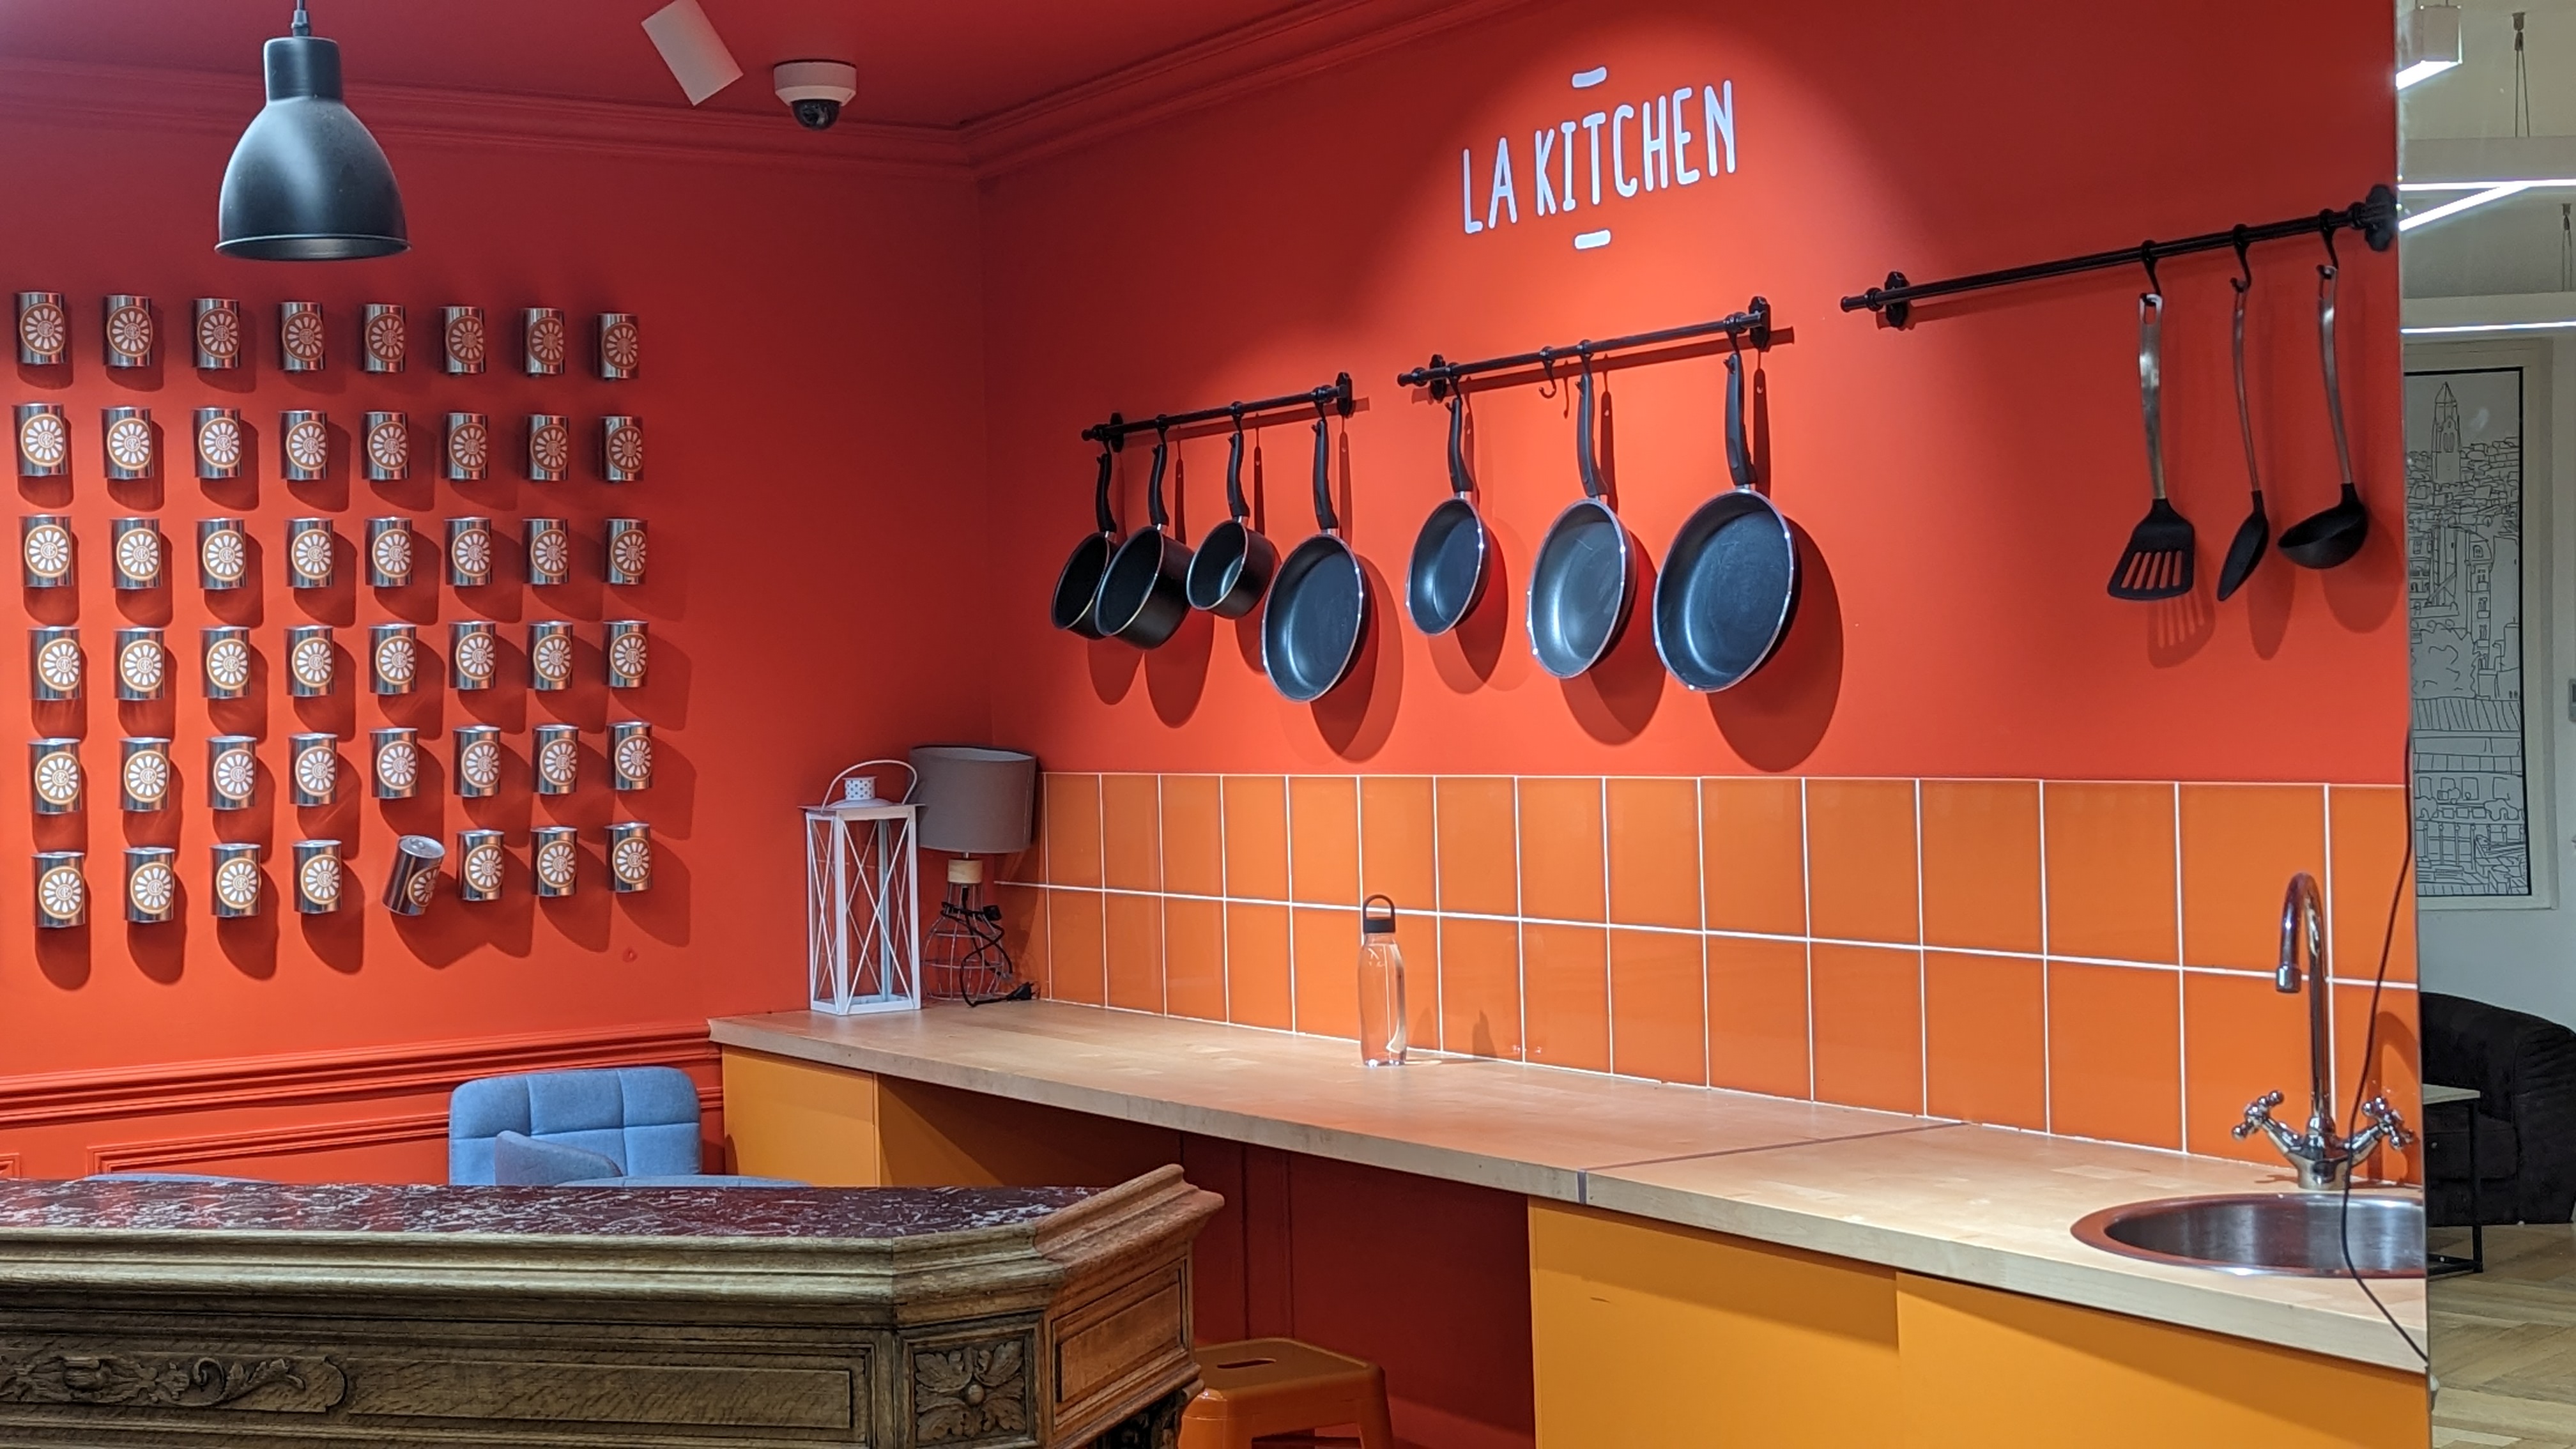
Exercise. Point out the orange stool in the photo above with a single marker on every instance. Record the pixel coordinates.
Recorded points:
(1265, 1386)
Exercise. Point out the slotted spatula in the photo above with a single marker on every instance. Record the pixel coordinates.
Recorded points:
(2158, 564)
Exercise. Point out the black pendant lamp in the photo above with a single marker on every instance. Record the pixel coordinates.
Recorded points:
(307, 183)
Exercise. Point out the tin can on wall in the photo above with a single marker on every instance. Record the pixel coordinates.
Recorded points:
(473, 654)
(223, 553)
(238, 886)
(44, 330)
(388, 447)
(302, 345)
(414, 878)
(389, 552)
(558, 758)
(312, 661)
(136, 543)
(62, 896)
(44, 441)
(386, 337)
(220, 443)
(554, 858)
(218, 334)
(309, 546)
(621, 449)
(543, 329)
(549, 550)
(461, 335)
(317, 877)
(304, 446)
(54, 662)
(469, 447)
(630, 754)
(396, 752)
(227, 661)
(481, 865)
(626, 550)
(128, 443)
(142, 664)
(627, 653)
(45, 550)
(393, 658)
(549, 655)
(316, 768)
(478, 762)
(127, 328)
(630, 857)
(54, 776)
(469, 552)
(618, 338)
(549, 447)
(151, 885)
(143, 773)
(232, 771)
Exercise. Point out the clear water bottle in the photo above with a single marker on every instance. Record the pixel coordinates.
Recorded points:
(1381, 985)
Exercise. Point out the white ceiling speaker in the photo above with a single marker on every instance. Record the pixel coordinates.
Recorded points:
(815, 90)
(692, 49)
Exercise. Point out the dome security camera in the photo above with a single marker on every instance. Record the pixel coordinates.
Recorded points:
(815, 90)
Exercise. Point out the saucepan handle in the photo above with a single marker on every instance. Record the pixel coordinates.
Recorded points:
(1154, 488)
(1324, 518)
(1235, 506)
(1459, 482)
(1100, 495)
(1583, 457)
(1739, 458)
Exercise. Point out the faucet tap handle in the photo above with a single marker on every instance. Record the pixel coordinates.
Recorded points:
(2387, 1122)
(2258, 1115)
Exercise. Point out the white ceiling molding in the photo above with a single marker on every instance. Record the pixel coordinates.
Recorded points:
(2486, 160)
(2432, 317)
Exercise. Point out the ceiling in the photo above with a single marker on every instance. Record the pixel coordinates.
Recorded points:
(2517, 247)
(926, 64)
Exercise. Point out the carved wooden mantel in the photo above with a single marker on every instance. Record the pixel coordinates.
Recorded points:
(249, 1315)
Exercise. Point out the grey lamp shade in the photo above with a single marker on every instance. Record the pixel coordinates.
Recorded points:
(975, 801)
(307, 183)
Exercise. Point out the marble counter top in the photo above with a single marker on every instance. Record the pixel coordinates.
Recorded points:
(1980, 1205)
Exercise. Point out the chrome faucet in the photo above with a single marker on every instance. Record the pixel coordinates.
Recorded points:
(2323, 1159)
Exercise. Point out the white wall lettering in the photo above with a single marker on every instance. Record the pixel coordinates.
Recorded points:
(1619, 176)
(1503, 194)
(1542, 144)
(1467, 190)
(1568, 129)
(1654, 119)
(1592, 128)
(1683, 171)
(1666, 155)
(1720, 101)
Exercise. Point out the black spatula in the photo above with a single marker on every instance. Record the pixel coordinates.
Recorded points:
(2246, 549)
(2158, 564)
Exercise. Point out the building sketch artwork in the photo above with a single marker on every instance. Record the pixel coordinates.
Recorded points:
(2464, 603)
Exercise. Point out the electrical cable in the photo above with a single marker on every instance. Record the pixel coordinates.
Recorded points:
(2361, 1083)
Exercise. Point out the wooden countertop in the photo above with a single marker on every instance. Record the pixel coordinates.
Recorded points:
(1977, 1204)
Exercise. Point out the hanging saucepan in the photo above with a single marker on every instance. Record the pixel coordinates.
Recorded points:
(1077, 588)
(1234, 563)
(1447, 575)
(1318, 604)
(1145, 595)
(1585, 577)
(1730, 584)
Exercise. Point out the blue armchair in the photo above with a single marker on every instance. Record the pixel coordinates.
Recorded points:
(613, 1127)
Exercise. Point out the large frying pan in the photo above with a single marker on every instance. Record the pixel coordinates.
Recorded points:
(1585, 578)
(1318, 604)
(1145, 594)
(1234, 563)
(1447, 575)
(1077, 587)
(1730, 584)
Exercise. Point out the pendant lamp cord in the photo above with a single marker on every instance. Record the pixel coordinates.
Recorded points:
(303, 22)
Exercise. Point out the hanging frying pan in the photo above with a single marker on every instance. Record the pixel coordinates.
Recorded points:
(1319, 602)
(1077, 587)
(1145, 594)
(1234, 563)
(1447, 575)
(1585, 577)
(1730, 584)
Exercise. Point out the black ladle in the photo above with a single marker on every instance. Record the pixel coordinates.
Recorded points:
(2334, 536)
(2246, 549)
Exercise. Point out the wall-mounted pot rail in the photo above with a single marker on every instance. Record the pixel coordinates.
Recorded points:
(1753, 324)
(1336, 395)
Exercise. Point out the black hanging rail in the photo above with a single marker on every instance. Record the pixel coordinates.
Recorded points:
(1336, 395)
(2374, 216)
(1440, 374)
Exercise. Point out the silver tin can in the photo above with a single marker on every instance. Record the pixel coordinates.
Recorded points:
(414, 877)
(54, 776)
(303, 446)
(542, 329)
(54, 662)
(309, 546)
(469, 552)
(473, 654)
(221, 444)
(317, 877)
(127, 443)
(388, 447)
(627, 653)
(151, 885)
(549, 656)
(142, 664)
(139, 553)
(143, 773)
(393, 658)
(44, 441)
(232, 771)
(237, 883)
(478, 761)
(549, 550)
(389, 552)
(462, 340)
(469, 447)
(618, 338)
(482, 867)
(396, 752)
(315, 770)
(44, 330)
(227, 661)
(557, 764)
(386, 338)
(621, 449)
(45, 550)
(302, 344)
(630, 754)
(554, 858)
(312, 661)
(549, 447)
(62, 896)
(218, 334)
(126, 327)
(223, 553)
(626, 550)
(630, 857)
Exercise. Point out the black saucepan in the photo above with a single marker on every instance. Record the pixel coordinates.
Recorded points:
(1447, 575)
(1585, 578)
(1730, 584)
(1145, 594)
(1234, 563)
(1077, 587)
(1319, 602)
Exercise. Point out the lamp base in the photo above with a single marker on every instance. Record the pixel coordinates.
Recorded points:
(964, 958)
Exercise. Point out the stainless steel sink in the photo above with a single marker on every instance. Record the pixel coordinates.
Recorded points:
(2295, 1233)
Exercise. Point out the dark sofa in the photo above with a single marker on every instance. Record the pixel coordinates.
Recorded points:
(2526, 1121)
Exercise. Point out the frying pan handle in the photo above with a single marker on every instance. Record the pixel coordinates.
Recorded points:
(1324, 518)
(1100, 496)
(1235, 506)
(1154, 488)
(2326, 284)
(1739, 458)
(1459, 483)
(1583, 458)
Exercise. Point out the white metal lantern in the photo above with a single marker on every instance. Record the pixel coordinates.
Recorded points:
(863, 899)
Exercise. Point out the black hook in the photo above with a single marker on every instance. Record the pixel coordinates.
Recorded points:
(2244, 283)
(1237, 410)
(2147, 259)
(2327, 221)
(1547, 365)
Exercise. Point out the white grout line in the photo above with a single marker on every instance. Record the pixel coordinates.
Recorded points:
(1225, 908)
(2047, 1023)
(1699, 893)
(1440, 967)
(2334, 953)
(1520, 932)
(1807, 925)
(1922, 971)
(1288, 857)
(1163, 920)
(1609, 979)
(2182, 1013)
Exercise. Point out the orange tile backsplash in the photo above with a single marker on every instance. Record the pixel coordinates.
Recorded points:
(2077, 957)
